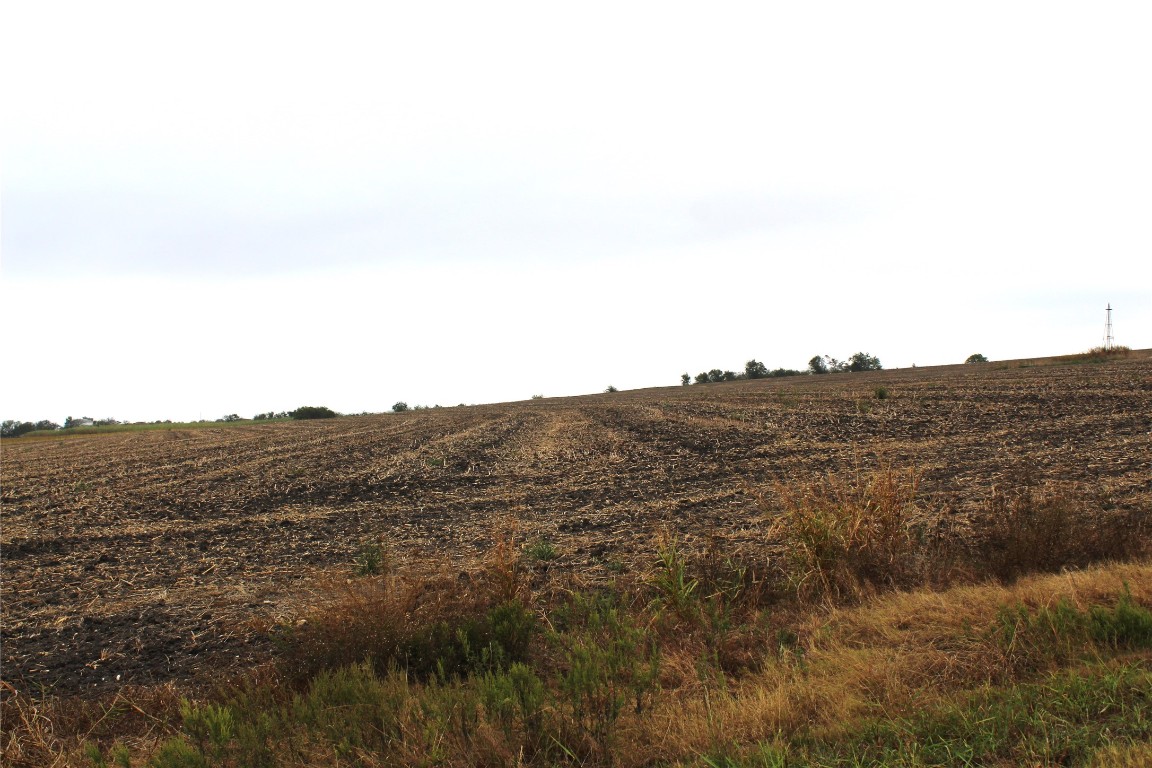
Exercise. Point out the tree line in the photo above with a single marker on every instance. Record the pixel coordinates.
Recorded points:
(754, 369)
(861, 361)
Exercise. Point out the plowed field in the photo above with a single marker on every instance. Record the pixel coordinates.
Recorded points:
(147, 556)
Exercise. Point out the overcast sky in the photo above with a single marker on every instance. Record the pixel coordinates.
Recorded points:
(221, 207)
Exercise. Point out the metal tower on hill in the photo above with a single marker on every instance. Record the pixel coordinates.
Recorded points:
(1109, 341)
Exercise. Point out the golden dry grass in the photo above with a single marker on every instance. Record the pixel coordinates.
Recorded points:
(897, 653)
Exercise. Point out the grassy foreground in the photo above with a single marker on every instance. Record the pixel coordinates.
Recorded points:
(861, 637)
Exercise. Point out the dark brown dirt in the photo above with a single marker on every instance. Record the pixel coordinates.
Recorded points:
(165, 555)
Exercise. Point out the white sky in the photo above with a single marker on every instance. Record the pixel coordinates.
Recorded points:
(220, 207)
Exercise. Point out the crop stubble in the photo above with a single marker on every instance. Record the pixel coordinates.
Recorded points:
(149, 556)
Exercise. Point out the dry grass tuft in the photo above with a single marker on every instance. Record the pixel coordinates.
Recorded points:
(1031, 527)
(413, 618)
(51, 731)
(848, 536)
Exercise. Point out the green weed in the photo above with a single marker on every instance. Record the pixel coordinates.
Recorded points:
(541, 550)
(369, 559)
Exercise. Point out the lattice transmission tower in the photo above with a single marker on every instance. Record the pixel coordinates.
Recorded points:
(1109, 341)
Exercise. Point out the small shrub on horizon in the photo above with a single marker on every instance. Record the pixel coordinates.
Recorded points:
(976, 358)
(313, 412)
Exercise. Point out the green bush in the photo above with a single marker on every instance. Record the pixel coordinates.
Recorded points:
(312, 412)
(754, 369)
(976, 358)
(609, 662)
(862, 361)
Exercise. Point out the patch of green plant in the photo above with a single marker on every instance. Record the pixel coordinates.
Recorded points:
(178, 753)
(1062, 719)
(1126, 626)
(675, 589)
(881, 393)
(516, 699)
(447, 651)
(352, 707)
(211, 727)
(541, 550)
(369, 559)
(609, 662)
(1033, 640)
(1065, 718)
(119, 754)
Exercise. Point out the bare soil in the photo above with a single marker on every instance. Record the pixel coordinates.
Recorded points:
(143, 557)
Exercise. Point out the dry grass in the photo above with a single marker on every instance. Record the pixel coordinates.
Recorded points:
(50, 731)
(1030, 526)
(704, 648)
(847, 536)
(889, 658)
(408, 618)
(822, 672)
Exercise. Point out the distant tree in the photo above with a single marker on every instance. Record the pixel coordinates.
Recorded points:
(702, 378)
(715, 375)
(753, 369)
(685, 379)
(817, 365)
(108, 422)
(611, 389)
(730, 376)
(777, 373)
(13, 428)
(231, 417)
(312, 412)
(534, 397)
(400, 407)
(862, 361)
(976, 358)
